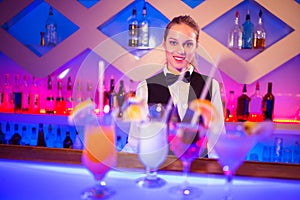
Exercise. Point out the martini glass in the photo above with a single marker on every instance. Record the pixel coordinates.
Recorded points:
(187, 143)
(232, 149)
(152, 151)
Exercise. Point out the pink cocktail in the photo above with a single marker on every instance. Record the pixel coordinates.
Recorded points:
(187, 142)
(232, 150)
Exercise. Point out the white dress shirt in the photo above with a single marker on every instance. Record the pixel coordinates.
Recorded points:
(179, 92)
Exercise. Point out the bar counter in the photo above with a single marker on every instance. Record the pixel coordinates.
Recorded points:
(48, 173)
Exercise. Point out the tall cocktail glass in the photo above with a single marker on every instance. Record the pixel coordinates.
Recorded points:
(99, 154)
(152, 151)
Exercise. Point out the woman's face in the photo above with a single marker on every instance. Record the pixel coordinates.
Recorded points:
(180, 46)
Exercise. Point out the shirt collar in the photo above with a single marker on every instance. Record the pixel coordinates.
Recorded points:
(191, 69)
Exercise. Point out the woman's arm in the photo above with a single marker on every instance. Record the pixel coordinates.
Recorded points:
(218, 126)
(131, 146)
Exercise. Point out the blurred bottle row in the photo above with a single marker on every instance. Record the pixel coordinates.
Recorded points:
(24, 95)
(45, 135)
(284, 149)
(49, 135)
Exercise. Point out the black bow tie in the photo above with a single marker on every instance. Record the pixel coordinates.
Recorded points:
(172, 78)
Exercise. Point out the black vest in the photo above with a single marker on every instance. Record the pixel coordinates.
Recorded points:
(158, 91)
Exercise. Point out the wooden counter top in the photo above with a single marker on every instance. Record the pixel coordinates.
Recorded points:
(125, 160)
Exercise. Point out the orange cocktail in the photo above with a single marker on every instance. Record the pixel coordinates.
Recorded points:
(99, 156)
(99, 153)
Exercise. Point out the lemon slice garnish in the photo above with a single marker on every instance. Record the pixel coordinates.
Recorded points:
(134, 110)
(81, 111)
(204, 108)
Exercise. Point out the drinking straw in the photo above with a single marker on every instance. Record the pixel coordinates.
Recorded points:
(170, 102)
(204, 92)
(100, 85)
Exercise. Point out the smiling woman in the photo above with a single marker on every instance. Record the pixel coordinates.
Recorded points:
(180, 43)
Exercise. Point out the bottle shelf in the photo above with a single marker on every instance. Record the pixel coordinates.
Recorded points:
(247, 54)
(116, 28)
(38, 49)
(274, 27)
(21, 26)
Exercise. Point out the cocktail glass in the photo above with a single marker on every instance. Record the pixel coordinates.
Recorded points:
(187, 143)
(99, 155)
(232, 149)
(152, 151)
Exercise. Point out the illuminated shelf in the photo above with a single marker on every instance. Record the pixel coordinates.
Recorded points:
(27, 25)
(275, 28)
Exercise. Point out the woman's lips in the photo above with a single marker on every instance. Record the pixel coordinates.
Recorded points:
(179, 58)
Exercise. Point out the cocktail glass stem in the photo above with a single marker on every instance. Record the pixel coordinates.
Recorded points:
(151, 173)
(228, 185)
(186, 170)
(98, 191)
(151, 180)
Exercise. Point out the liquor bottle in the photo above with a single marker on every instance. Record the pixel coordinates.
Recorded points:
(34, 97)
(231, 107)
(78, 92)
(112, 95)
(51, 136)
(17, 91)
(89, 95)
(223, 99)
(255, 105)
(8, 97)
(259, 36)
(133, 30)
(105, 98)
(50, 104)
(77, 143)
(33, 139)
(268, 103)
(51, 28)
(68, 143)
(247, 36)
(243, 105)
(25, 95)
(60, 104)
(69, 98)
(235, 35)
(41, 137)
(58, 141)
(1, 95)
(121, 97)
(25, 137)
(42, 42)
(144, 29)
(7, 131)
(2, 135)
(16, 137)
(131, 92)
(277, 149)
